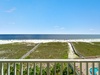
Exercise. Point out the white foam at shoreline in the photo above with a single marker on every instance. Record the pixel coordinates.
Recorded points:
(45, 41)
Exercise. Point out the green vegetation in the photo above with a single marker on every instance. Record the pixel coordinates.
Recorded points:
(44, 69)
(88, 49)
(52, 50)
(14, 50)
(96, 43)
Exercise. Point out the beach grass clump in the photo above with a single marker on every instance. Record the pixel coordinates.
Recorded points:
(14, 50)
(96, 43)
(88, 49)
(51, 50)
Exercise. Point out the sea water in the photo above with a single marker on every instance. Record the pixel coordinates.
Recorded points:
(48, 36)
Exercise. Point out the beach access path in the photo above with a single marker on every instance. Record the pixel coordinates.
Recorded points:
(28, 53)
(71, 54)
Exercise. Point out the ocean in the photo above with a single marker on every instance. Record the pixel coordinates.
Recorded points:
(47, 36)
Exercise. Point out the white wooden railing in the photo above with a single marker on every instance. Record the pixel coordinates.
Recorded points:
(79, 66)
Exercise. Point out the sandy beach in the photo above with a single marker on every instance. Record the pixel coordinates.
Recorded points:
(32, 41)
(45, 41)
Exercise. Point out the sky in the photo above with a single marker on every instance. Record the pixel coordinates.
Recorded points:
(49, 16)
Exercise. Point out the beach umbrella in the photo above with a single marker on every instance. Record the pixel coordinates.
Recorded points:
(95, 71)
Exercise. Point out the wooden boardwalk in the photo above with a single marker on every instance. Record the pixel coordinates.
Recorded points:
(28, 53)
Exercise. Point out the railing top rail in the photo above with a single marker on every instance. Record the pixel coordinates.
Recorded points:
(49, 60)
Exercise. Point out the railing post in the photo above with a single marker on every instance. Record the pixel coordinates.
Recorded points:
(40, 68)
(21, 68)
(80, 68)
(28, 66)
(93, 68)
(74, 68)
(1, 69)
(55, 69)
(34, 69)
(68, 68)
(99, 68)
(14, 68)
(8, 68)
(48, 73)
(61, 69)
(86, 68)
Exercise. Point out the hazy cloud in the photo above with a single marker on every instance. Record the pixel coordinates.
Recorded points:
(56, 26)
(11, 23)
(91, 29)
(11, 10)
(59, 28)
(62, 28)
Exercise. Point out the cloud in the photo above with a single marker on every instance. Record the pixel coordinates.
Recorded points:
(11, 10)
(62, 28)
(59, 28)
(91, 29)
(13, 23)
(56, 26)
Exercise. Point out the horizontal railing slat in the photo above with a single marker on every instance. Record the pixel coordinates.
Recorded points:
(49, 60)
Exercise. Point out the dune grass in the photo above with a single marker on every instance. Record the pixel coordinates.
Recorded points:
(96, 43)
(52, 50)
(88, 49)
(14, 50)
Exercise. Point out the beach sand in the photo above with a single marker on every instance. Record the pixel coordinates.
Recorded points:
(45, 41)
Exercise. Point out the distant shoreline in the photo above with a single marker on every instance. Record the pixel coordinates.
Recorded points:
(46, 41)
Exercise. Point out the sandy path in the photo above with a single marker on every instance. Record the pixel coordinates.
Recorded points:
(71, 54)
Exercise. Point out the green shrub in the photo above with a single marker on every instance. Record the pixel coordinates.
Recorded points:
(44, 70)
